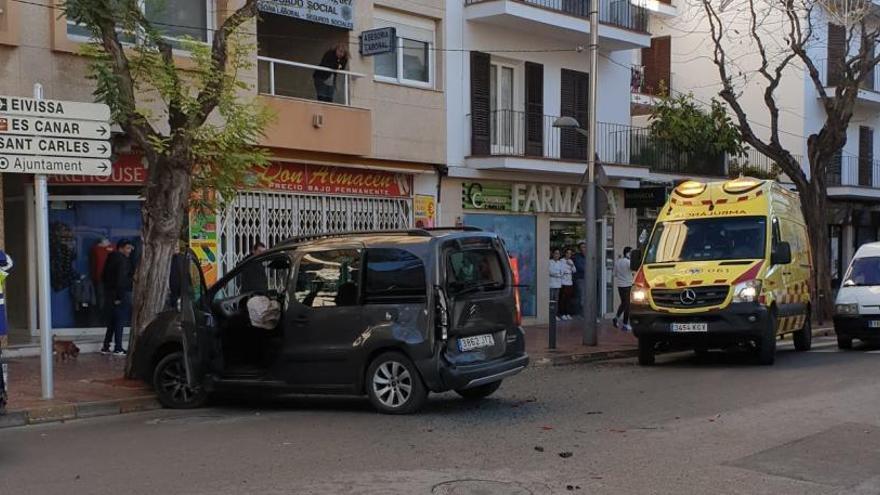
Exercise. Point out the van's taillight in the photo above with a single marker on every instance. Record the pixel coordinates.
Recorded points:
(514, 269)
(441, 314)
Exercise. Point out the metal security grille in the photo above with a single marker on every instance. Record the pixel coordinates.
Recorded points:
(273, 217)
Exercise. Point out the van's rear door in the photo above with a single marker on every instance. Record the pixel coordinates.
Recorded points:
(482, 303)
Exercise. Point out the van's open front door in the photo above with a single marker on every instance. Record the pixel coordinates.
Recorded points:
(194, 321)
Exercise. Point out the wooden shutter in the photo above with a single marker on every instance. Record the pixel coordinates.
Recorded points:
(836, 54)
(481, 127)
(574, 100)
(658, 62)
(534, 109)
(866, 156)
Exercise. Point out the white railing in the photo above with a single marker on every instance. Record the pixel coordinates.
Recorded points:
(279, 77)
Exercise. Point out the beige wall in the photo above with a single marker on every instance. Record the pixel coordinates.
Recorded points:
(342, 130)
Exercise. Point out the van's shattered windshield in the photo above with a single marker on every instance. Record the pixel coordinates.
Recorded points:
(864, 272)
(706, 239)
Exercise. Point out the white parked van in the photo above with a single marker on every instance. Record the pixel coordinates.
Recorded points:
(857, 308)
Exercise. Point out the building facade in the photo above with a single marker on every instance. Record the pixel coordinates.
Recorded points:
(353, 147)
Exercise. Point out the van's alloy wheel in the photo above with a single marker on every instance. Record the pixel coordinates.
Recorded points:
(172, 389)
(394, 385)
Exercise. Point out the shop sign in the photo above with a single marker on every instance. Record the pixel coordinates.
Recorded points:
(424, 211)
(532, 198)
(323, 179)
(378, 41)
(337, 13)
(127, 171)
(646, 197)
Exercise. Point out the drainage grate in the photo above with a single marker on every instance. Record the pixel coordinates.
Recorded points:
(480, 487)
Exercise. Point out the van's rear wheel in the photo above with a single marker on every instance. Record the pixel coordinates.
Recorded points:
(767, 342)
(172, 388)
(844, 343)
(803, 338)
(394, 385)
(646, 352)
(481, 392)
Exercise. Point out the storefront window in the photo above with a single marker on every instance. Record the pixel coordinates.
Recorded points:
(81, 235)
(518, 233)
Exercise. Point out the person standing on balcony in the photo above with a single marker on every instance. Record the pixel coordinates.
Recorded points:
(325, 82)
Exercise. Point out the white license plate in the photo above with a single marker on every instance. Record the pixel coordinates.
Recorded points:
(475, 342)
(874, 324)
(690, 327)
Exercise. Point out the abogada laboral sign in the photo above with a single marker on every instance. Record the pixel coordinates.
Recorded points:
(338, 13)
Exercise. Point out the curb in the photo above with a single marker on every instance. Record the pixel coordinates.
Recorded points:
(590, 357)
(66, 412)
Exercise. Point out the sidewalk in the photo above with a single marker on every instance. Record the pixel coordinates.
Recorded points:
(613, 343)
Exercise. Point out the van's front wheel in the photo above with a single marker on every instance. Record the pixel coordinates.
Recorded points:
(481, 392)
(646, 352)
(172, 387)
(803, 338)
(767, 342)
(394, 385)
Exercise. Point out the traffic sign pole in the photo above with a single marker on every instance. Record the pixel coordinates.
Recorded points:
(41, 198)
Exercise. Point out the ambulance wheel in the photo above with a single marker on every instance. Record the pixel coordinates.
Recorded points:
(646, 352)
(844, 343)
(803, 338)
(767, 342)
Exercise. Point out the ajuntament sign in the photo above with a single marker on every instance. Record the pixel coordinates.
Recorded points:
(378, 41)
(337, 13)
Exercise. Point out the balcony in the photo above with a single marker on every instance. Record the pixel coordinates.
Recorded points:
(524, 142)
(646, 88)
(307, 120)
(869, 93)
(851, 177)
(623, 23)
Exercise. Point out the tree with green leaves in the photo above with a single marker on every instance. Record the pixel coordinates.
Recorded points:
(191, 116)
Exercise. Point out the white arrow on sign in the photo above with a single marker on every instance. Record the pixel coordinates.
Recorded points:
(41, 126)
(17, 105)
(55, 165)
(49, 146)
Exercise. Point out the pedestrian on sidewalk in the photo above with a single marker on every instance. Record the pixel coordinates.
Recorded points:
(623, 279)
(580, 269)
(557, 271)
(118, 284)
(566, 292)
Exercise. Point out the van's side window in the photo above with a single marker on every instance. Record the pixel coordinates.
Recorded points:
(327, 279)
(394, 276)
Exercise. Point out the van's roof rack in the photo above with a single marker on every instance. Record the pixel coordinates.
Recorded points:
(353, 233)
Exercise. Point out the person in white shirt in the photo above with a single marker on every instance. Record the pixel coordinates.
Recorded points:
(557, 272)
(623, 279)
(566, 292)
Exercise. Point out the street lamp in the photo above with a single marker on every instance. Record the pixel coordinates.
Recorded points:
(589, 296)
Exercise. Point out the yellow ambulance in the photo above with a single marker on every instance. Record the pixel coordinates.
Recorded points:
(728, 264)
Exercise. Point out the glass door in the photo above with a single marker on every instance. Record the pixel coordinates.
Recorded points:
(503, 118)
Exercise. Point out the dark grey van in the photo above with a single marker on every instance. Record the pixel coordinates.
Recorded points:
(389, 315)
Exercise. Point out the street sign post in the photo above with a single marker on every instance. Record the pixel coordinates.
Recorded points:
(51, 137)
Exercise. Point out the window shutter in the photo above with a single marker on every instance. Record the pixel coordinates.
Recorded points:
(866, 156)
(836, 54)
(481, 128)
(657, 61)
(534, 109)
(574, 101)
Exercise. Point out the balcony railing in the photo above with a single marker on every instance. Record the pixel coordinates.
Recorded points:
(853, 171)
(642, 82)
(518, 134)
(278, 77)
(620, 13)
(831, 74)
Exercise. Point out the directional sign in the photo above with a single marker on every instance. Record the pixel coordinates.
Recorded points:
(40, 126)
(50, 146)
(15, 105)
(54, 165)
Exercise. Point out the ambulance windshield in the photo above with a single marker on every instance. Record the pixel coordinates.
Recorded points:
(707, 239)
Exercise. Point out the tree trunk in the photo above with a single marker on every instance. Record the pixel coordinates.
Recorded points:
(166, 206)
(814, 209)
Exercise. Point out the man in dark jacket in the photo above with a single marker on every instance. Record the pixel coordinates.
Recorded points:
(325, 82)
(118, 284)
(253, 277)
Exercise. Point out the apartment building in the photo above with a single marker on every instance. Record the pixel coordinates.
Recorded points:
(680, 57)
(359, 151)
(513, 68)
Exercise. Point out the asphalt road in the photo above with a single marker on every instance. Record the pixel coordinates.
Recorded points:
(808, 425)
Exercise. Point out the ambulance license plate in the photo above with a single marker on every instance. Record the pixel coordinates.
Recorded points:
(475, 342)
(690, 327)
(874, 324)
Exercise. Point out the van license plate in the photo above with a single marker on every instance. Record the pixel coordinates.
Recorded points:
(874, 324)
(475, 342)
(690, 327)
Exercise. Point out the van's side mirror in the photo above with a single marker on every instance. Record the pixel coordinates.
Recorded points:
(781, 254)
(635, 259)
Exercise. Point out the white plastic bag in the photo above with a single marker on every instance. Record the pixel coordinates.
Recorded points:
(264, 312)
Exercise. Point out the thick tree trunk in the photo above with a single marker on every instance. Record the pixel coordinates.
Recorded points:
(814, 209)
(166, 205)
